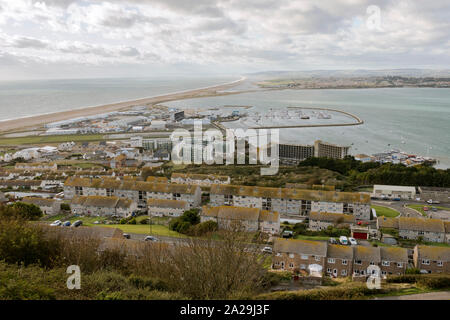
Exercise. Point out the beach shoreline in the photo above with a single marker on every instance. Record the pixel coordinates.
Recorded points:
(42, 119)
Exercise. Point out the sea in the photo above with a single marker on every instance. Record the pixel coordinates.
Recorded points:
(414, 120)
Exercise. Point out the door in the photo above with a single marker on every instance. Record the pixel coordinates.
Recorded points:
(335, 273)
(282, 265)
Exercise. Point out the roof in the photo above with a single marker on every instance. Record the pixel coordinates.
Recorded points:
(166, 203)
(384, 222)
(340, 252)
(124, 203)
(363, 253)
(78, 200)
(394, 254)
(240, 213)
(111, 183)
(198, 176)
(40, 202)
(434, 253)
(101, 201)
(157, 179)
(394, 188)
(21, 183)
(419, 224)
(332, 217)
(288, 193)
(317, 248)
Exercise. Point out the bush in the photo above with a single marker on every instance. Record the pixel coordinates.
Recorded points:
(123, 221)
(203, 228)
(183, 223)
(26, 211)
(144, 221)
(132, 221)
(65, 207)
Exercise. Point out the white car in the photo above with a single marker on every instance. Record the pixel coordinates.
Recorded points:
(56, 223)
(353, 241)
(267, 250)
(343, 240)
(150, 238)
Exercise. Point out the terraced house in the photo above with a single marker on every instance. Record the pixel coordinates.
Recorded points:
(137, 191)
(322, 220)
(204, 180)
(250, 219)
(290, 254)
(430, 259)
(296, 202)
(432, 230)
(339, 261)
(166, 207)
(48, 206)
(103, 206)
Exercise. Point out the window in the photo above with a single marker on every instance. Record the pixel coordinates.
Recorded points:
(372, 263)
(291, 265)
(386, 263)
(383, 273)
(362, 272)
(440, 264)
(344, 262)
(331, 260)
(344, 272)
(328, 270)
(399, 264)
(358, 262)
(291, 255)
(304, 257)
(79, 191)
(317, 258)
(425, 261)
(302, 266)
(356, 272)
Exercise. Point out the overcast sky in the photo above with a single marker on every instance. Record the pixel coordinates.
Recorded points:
(89, 38)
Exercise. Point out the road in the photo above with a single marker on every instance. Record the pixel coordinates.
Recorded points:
(400, 206)
(444, 295)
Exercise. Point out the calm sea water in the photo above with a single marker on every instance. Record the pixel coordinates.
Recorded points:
(27, 98)
(418, 117)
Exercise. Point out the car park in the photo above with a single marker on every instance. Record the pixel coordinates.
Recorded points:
(343, 240)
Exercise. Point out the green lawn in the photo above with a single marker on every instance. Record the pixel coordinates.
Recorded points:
(302, 237)
(385, 211)
(156, 229)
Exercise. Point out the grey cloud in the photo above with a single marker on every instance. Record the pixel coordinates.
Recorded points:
(25, 42)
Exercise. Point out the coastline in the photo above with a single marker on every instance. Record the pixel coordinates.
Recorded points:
(38, 120)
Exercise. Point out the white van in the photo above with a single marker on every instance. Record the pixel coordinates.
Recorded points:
(343, 240)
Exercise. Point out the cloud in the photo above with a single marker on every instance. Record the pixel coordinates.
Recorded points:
(237, 35)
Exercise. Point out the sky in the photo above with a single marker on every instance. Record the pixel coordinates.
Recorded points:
(138, 38)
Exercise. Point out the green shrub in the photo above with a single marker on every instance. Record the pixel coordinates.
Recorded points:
(132, 221)
(65, 207)
(203, 228)
(26, 211)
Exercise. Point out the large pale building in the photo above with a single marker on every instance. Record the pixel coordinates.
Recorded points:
(292, 154)
(137, 191)
(391, 192)
(295, 202)
(328, 150)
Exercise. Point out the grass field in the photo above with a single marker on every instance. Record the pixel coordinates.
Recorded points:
(302, 237)
(385, 211)
(51, 139)
(156, 229)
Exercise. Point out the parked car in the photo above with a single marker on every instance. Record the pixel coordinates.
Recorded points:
(66, 224)
(96, 222)
(77, 223)
(397, 199)
(353, 241)
(56, 223)
(434, 209)
(333, 241)
(343, 240)
(287, 234)
(150, 238)
(126, 236)
(431, 201)
(267, 250)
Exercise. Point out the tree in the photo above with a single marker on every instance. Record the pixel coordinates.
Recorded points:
(26, 211)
